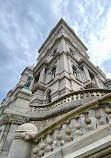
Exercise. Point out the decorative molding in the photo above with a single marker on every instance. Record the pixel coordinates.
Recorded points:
(13, 119)
(64, 104)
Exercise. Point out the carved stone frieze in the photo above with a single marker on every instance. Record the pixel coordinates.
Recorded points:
(13, 119)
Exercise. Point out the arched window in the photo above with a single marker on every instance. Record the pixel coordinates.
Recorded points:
(53, 71)
(49, 96)
(74, 70)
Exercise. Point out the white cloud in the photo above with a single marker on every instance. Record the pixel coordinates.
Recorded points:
(100, 42)
(24, 25)
(108, 75)
(82, 10)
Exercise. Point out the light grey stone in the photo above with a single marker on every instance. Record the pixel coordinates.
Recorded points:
(34, 106)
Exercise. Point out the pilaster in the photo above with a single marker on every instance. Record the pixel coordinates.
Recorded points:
(97, 82)
(42, 75)
(63, 63)
(70, 66)
(86, 73)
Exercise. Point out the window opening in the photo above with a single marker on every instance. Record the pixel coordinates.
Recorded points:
(74, 69)
(49, 97)
(53, 72)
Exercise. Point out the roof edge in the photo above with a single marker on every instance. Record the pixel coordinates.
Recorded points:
(61, 21)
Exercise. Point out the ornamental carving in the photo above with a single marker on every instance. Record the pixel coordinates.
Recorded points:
(14, 119)
(25, 135)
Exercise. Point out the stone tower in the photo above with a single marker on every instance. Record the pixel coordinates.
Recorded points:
(59, 111)
(63, 66)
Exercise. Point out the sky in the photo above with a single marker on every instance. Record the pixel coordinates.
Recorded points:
(25, 24)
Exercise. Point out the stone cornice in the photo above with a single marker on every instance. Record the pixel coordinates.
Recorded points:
(43, 86)
(39, 66)
(61, 22)
(76, 48)
(27, 68)
(23, 94)
(90, 65)
(44, 63)
(39, 86)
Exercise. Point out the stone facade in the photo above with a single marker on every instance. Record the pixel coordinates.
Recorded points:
(35, 120)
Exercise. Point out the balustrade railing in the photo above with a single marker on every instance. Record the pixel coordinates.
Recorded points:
(74, 124)
(77, 95)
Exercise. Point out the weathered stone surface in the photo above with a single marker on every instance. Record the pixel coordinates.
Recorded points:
(21, 146)
(58, 100)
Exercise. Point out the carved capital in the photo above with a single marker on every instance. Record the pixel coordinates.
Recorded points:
(13, 118)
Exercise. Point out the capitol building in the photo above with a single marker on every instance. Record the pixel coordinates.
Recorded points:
(60, 108)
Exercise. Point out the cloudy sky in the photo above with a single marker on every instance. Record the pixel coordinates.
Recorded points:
(25, 24)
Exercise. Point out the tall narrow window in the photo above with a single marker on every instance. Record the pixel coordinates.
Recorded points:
(74, 69)
(36, 79)
(53, 71)
(45, 76)
(92, 77)
(49, 97)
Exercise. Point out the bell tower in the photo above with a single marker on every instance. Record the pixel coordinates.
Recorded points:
(63, 99)
(62, 66)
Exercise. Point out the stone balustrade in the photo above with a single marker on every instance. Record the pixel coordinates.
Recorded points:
(74, 124)
(77, 95)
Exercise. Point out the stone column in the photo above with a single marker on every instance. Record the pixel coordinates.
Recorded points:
(67, 47)
(57, 68)
(62, 47)
(86, 73)
(49, 76)
(32, 83)
(79, 75)
(63, 63)
(97, 82)
(42, 75)
(70, 66)
(4, 134)
(21, 145)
